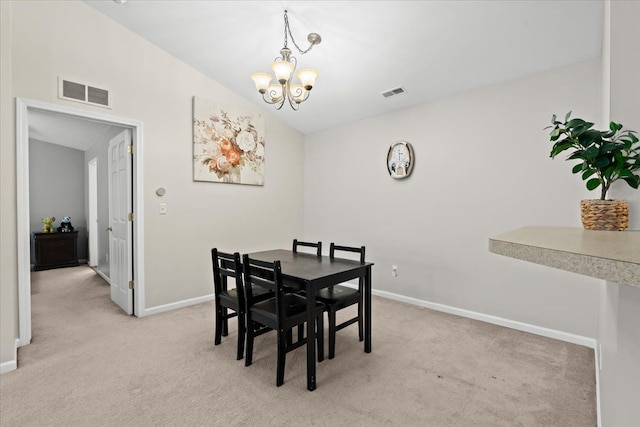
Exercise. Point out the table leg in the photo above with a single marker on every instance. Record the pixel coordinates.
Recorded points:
(367, 310)
(311, 337)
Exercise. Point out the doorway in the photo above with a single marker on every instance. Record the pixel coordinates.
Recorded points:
(23, 108)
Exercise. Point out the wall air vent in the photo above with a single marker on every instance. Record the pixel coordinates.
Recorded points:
(81, 92)
(393, 92)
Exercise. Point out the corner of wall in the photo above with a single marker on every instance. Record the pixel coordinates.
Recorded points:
(8, 260)
(10, 365)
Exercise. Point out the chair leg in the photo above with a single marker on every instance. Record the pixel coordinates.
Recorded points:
(242, 330)
(282, 354)
(332, 333)
(218, 334)
(320, 336)
(360, 317)
(300, 332)
(248, 358)
(225, 322)
(289, 337)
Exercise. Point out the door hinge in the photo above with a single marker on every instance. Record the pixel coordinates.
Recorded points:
(130, 284)
(130, 216)
(130, 149)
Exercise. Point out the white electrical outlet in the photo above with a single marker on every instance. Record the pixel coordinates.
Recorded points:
(394, 270)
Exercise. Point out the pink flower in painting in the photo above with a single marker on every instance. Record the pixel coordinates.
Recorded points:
(225, 145)
(213, 150)
(222, 164)
(233, 156)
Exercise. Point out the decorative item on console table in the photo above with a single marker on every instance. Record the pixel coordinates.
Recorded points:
(65, 225)
(605, 157)
(48, 224)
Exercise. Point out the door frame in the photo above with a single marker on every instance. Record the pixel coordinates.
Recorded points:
(23, 106)
(92, 218)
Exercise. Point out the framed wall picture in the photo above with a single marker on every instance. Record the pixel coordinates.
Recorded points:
(228, 144)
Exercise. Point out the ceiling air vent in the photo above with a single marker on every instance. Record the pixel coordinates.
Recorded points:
(393, 92)
(84, 93)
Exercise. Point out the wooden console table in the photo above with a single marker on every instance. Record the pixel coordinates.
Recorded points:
(55, 250)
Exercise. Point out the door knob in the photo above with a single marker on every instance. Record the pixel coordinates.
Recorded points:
(108, 229)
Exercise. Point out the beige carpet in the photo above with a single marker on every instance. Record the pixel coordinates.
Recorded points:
(90, 365)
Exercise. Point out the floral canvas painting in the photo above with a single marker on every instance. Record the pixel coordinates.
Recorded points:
(228, 144)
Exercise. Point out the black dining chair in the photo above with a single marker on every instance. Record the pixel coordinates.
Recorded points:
(338, 297)
(225, 266)
(317, 246)
(280, 313)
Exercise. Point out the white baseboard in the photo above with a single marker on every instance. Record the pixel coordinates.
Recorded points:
(508, 323)
(10, 365)
(101, 274)
(176, 305)
(513, 324)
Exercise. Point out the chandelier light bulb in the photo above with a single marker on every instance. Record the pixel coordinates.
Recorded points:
(262, 81)
(283, 70)
(308, 77)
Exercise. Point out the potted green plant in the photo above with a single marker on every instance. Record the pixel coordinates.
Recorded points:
(604, 157)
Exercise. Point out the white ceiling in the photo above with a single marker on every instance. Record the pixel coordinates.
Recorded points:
(69, 131)
(432, 48)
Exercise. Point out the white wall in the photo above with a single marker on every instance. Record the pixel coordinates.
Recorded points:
(619, 309)
(70, 39)
(56, 189)
(482, 168)
(8, 223)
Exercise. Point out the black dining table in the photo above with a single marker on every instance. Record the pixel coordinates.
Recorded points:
(311, 273)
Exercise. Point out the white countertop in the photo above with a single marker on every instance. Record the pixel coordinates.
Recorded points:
(608, 255)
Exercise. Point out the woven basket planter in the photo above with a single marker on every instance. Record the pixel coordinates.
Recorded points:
(604, 214)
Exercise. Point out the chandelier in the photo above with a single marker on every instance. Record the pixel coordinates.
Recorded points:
(283, 68)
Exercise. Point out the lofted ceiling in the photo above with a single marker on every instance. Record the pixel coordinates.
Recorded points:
(433, 49)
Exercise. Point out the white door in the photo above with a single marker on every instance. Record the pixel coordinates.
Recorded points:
(120, 206)
(93, 212)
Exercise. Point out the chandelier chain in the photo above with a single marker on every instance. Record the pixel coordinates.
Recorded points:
(287, 29)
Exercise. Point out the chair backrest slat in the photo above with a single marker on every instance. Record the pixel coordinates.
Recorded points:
(267, 275)
(227, 265)
(361, 250)
(317, 245)
(333, 248)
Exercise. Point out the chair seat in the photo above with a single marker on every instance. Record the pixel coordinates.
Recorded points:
(293, 304)
(338, 295)
(232, 294)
